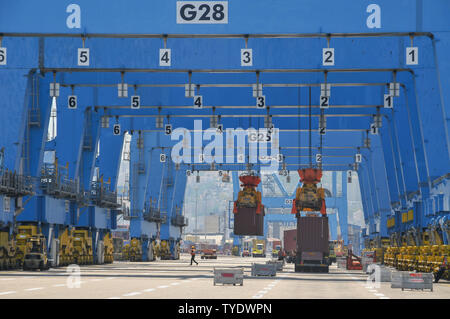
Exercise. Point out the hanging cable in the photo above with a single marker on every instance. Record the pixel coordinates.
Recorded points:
(174, 189)
(299, 126)
(310, 146)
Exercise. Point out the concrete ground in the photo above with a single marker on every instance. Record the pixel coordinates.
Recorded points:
(178, 280)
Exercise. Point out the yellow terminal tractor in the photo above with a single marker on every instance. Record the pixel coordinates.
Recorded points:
(9, 253)
(36, 257)
(82, 243)
(24, 232)
(135, 250)
(109, 248)
(66, 248)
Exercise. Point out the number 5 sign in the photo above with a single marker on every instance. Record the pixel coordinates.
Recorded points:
(83, 57)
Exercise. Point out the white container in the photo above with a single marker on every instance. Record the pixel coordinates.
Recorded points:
(264, 270)
(231, 276)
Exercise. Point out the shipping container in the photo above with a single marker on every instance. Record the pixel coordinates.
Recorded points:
(312, 244)
(276, 244)
(290, 241)
(312, 234)
(248, 223)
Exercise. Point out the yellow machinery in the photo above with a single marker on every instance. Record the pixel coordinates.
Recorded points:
(276, 251)
(36, 257)
(135, 250)
(426, 258)
(381, 249)
(309, 197)
(126, 252)
(9, 255)
(23, 245)
(390, 256)
(248, 197)
(164, 250)
(109, 248)
(401, 258)
(259, 248)
(82, 244)
(65, 248)
(425, 252)
(412, 253)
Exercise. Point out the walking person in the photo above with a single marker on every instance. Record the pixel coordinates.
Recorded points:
(441, 271)
(193, 255)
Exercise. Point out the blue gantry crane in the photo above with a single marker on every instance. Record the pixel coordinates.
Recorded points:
(371, 80)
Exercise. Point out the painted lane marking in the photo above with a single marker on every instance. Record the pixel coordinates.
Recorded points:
(379, 295)
(7, 293)
(163, 287)
(33, 289)
(257, 296)
(385, 298)
(149, 290)
(113, 298)
(175, 283)
(371, 290)
(132, 294)
(59, 285)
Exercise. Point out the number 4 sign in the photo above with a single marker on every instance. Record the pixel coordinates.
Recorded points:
(198, 101)
(165, 57)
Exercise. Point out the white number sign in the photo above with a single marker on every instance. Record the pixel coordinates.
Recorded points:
(246, 57)
(412, 55)
(72, 102)
(83, 57)
(165, 57)
(2, 56)
(328, 57)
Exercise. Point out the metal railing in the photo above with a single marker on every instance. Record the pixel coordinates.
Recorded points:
(15, 185)
(179, 220)
(152, 214)
(102, 197)
(57, 185)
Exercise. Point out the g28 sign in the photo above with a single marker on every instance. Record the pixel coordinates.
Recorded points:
(206, 12)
